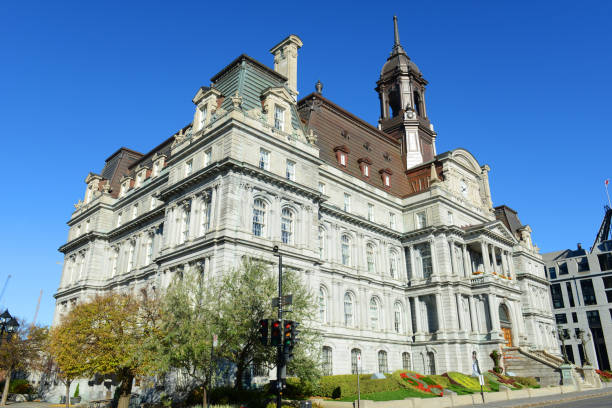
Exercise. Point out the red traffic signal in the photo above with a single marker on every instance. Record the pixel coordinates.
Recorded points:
(264, 329)
(276, 333)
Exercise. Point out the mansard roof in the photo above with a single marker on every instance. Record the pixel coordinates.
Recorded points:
(117, 166)
(335, 127)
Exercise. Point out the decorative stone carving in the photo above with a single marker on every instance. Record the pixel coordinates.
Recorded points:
(236, 100)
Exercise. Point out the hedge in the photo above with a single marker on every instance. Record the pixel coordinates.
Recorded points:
(338, 386)
(471, 383)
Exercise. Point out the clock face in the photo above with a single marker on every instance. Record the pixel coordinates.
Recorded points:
(463, 188)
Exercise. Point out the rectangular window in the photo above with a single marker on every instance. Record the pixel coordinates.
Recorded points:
(421, 220)
(188, 167)
(203, 115)
(588, 292)
(370, 212)
(593, 318)
(387, 180)
(207, 157)
(557, 296)
(561, 318)
(392, 220)
(574, 317)
(366, 170)
(342, 157)
(264, 159)
(563, 269)
(206, 207)
(290, 170)
(279, 118)
(552, 272)
(119, 216)
(321, 188)
(569, 352)
(347, 202)
(605, 261)
(583, 264)
(135, 211)
(450, 218)
(570, 293)
(424, 256)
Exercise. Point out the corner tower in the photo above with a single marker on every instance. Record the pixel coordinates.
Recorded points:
(403, 112)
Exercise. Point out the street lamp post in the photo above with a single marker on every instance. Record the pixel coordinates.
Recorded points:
(8, 326)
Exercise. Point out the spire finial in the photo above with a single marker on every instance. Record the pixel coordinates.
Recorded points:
(396, 32)
(397, 47)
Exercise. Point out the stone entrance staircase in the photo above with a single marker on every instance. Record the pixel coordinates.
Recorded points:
(539, 364)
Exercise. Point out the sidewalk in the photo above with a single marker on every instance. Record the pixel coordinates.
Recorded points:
(546, 400)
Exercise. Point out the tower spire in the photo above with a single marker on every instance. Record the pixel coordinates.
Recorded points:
(397, 47)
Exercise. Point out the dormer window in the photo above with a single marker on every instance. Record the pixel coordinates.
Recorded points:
(385, 175)
(342, 154)
(156, 169)
(138, 179)
(124, 188)
(364, 165)
(279, 118)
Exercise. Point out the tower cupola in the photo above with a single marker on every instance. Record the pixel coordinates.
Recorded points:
(403, 113)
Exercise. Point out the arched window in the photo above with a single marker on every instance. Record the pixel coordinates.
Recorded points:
(397, 317)
(206, 207)
(346, 250)
(393, 264)
(504, 316)
(327, 360)
(355, 357)
(417, 103)
(287, 226)
(259, 217)
(370, 258)
(322, 304)
(321, 242)
(374, 313)
(430, 366)
(406, 361)
(348, 309)
(383, 367)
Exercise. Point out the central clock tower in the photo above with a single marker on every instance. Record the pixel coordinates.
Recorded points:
(403, 112)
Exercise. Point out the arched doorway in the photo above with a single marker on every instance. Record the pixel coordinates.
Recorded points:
(506, 325)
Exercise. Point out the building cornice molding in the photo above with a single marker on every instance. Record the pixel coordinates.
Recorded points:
(81, 240)
(137, 222)
(357, 220)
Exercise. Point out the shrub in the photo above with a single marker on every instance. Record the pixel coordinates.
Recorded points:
(299, 389)
(338, 386)
(20, 387)
(527, 381)
(76, 392)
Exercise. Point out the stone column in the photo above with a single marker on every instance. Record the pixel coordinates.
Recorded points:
(413, 267)
(451, 248)
(435, 271)
(440, 315)
(418, 319)
(493, 312)
(485, 257)
(409, 328)
(473, 317)
(466, 261)
(459, 308)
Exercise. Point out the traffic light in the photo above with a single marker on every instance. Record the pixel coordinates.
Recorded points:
(264, 329)
(294, 333)
(276, 333)
(287, 333)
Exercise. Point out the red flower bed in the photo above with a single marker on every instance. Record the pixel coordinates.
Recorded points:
(604, 374)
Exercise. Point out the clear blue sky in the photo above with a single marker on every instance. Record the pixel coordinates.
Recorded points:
(525, 86)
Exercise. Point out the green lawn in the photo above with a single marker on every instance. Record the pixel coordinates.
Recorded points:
(389, 395)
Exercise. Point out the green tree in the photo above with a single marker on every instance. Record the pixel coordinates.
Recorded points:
(105, 336)
(195, 307)
(245, 297)
(22, 350)
(187, 323)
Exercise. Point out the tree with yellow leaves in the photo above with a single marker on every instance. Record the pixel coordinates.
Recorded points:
(105, 336)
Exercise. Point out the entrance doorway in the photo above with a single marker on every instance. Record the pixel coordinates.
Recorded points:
(506, 325)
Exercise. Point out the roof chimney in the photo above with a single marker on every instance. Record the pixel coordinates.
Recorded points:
(285, 60)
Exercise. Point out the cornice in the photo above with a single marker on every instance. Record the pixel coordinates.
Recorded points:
(230, 165)
(529, 276)
(137, 193)
(358, 220)
(81, 240)
(137, 222)
(95, 206)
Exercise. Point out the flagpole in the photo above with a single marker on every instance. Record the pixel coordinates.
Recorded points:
(607, 193)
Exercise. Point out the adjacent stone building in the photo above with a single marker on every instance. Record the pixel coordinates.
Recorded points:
(412, 265)
(581, 291)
